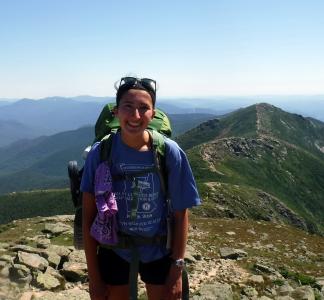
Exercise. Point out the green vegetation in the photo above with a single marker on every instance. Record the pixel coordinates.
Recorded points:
(300, 278)
(296, 178)
(37, 203)
(266, 149)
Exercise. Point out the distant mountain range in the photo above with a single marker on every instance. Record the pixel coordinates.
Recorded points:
(56, 114)
(27, 118)
(42, 162)
(260, 162)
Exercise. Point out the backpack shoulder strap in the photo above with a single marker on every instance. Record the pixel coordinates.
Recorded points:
(158, 141)
(106, 147)
(158, 144)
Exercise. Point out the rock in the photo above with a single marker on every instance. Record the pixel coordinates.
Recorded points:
(320, 282)
(191, 254)
(284, 290)
(303, 293)
(74, 271)
(55, 273)
(250, 292)
(20, 273)
(26, 248)
(230, 233)
(47, 281)
(6, 258)
(216, 291)
(256, 279)
(230, 253)
(264, 269)
(58, 218)
(4, 270)
(190, 259)
(57, 228)
(43, 242)
(62, 251)
(52, 258)
(77, 256)
(31, 260)
(4, 246)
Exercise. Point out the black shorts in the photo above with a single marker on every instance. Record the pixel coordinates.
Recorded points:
(114, 270)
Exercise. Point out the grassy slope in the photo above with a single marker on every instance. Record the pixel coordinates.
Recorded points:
(294, 174)
(300, 187)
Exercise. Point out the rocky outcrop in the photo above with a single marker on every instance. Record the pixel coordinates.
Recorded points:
(58, 272)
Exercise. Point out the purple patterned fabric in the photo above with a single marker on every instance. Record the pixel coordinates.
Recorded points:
(104, 228)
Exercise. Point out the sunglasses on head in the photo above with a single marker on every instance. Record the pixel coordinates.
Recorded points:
(147, 83)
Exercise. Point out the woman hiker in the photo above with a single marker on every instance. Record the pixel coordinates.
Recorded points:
(160, 267)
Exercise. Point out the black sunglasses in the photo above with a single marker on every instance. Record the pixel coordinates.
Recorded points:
(147, 83)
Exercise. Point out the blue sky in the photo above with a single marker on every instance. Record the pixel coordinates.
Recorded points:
(192, 48)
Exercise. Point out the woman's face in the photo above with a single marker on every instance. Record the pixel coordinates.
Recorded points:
(135, 111)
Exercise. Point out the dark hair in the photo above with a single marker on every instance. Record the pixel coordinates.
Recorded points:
(136, 86)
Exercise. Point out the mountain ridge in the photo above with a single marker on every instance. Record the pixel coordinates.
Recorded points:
(266, 148)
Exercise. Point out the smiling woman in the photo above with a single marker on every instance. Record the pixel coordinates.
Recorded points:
(149, 243)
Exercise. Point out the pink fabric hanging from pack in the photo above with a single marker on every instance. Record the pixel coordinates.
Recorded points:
(104, 228)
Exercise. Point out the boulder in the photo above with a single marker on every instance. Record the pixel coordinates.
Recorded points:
(75, 271)
(26, 248)
(230, 253)
(6, 258)
(250, 292)
(256, 279)
(4, 246)
(4, 269)
(57, 228)
(77, 256)
(52, 258)
(43, 242)
(62, 251)
(284, 290)
(47, 281)
(20, 273)
(303, 293)
(33, 261)
(216, 291)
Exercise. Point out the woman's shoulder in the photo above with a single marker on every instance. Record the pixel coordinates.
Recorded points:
(171, 145)
(173, 151)
(94, 152)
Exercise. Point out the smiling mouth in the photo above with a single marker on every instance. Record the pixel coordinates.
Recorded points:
(134, 125)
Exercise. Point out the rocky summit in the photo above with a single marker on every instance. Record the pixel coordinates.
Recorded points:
(226, 259)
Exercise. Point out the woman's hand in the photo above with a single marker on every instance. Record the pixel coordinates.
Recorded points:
(98, 290)
(173, 285)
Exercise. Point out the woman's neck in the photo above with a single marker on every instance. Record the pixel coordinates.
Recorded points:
(139, 143)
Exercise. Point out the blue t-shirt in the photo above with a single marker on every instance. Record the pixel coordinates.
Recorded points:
(151, 209)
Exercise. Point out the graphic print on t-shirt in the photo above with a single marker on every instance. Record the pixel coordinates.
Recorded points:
(147, 192)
